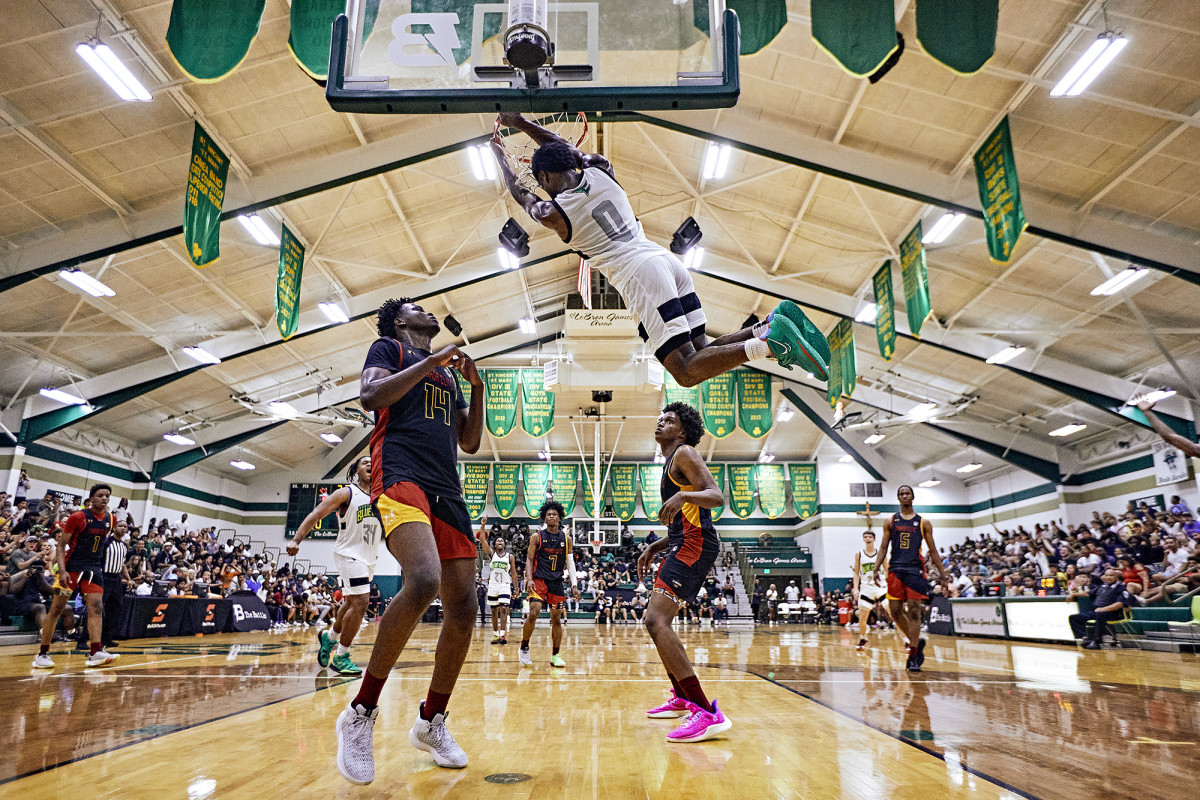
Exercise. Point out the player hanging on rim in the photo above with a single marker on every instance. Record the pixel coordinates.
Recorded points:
(549, 555)
(688, 492)
(866, 588)
(421, 419)
(501, 580)
(354, 557)
(590, 211)
(907, 588)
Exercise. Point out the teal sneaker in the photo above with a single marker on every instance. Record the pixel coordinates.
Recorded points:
(813, 349)
(342, 665)
(327, 644)
(783, 338)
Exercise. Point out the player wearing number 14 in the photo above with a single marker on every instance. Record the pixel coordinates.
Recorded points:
(590, 211)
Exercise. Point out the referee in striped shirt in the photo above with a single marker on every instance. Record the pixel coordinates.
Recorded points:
(115, 551)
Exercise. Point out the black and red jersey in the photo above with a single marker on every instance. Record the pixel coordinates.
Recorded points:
(905, 543)
(85, 547)
(691, 531)
(551, 557)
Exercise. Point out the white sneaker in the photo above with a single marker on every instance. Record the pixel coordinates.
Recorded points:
(355, 753)
(432, 737)
(525, 659)
(100, 658)
(43, 661)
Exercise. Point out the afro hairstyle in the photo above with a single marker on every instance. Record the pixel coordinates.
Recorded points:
(555, 157)
(689, 418)
(386, 316)
(551, 505)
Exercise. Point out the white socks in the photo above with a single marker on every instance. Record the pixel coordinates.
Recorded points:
(342, 649)
(757, 348)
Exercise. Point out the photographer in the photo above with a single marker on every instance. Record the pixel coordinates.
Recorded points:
(26, 591)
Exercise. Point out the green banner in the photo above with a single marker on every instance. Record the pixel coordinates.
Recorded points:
(566, 480)
(846, 354)
(475, 486)
(760, 21)
(588, 479)
(209, 38)
(536, 475)
(623, 480)
(772, 490)
(741, 489)
(915, 276)
(858, 34)
(311, 29)
(651, 480)
(501, 411)
(287, 285)
(537, 404)
(464, 386)
(504, 488)
(805, 498)
(960, 35)
(718, 473)
(885, 311)
(754, 402)
(1000, 193)
(205, 195)
(833, 380)
(718, 401)
(680, 394)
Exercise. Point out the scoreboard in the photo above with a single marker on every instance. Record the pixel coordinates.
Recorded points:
(303, 498)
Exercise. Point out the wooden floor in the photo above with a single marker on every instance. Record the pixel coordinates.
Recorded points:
(252, 715)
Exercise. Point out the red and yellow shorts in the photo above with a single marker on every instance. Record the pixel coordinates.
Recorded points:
(87, 582)
(907, 585)
(550, 593)
(447, 516)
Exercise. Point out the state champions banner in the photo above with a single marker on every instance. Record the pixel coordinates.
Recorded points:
(858, 34)
(287, 284)
(501, 397)
(535, 476)
(843, 363)
(754, 402)
(718, 404)
(915, 275)
(1000, 193)
(566, 480)
(962, 36)
(718, 473)
(475, 486)
(209, 38)
(885, 311)
(675, 393)
(205, 195)
(741, 489)
(464, 386)
(651, 480)
(805, 495)
(772, 490)
(589, 478)
(623, 479)
(504, 488)
(537, 404)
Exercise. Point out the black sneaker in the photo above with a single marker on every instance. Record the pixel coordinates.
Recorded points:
(912, 665)
(920, 653)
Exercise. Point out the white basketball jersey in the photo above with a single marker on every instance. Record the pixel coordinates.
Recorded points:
(499, 576)
(361, 530)
(866, 564)
(602, 224)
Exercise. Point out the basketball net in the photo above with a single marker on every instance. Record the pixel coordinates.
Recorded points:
(519, 148)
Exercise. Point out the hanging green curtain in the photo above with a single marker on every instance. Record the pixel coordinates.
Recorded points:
(537, 404)
(475, 486)
(859, 34)
(915, 275)
(651, 480)
(501, 411)
(719, 404)
(772, 491)
(623, 480)
(760, 21)
(741, 489)
(209, 38)
(754, 402)
(535, 477)
(566, 481)
(718, 473)
(961, 35)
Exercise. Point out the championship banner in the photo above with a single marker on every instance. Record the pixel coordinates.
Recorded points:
(504, 489)
(772, 490)
(680, 394)
(537, 404)
(536, 475)
(844, 332)
(566, 478)
(859, 34)
(915, 275)
(651, 480)
(1000, 193)
(960, 35)
(741, 489)
(805, 497)
(589, 478)
(760, 21)
(475, 487)
(501, 397)
(311, 32)
(209, 38)
(718, 404)
(833, 380)
(623, 479)
(205, 195)
(464, 386)
(885, 311)
(754, 402)
(287, 286)
(718, 473)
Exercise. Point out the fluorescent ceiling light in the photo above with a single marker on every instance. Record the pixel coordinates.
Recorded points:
(178, 438)
(929, 484)
(923, 410)
(1006, 355)
(104, 62)
(1152, 397)
(942, 229)
(1090, 64)
(766, 458)
(331, 437)
(283, 409)
(63, 397)
(86, 282)
(508, 260)
(200, 354)
(257, 228)
(483, 163)
(693, 257)
(333, 312)
(528, 326)
(1067, 430)
(846, 459)
(238, 463)
(544, 455)
(716, 160)
(785, 414)
(974, 465)
(1120, 281)
(874, 438)
(868, 314)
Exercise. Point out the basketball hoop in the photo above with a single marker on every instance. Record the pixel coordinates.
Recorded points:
(519, 148)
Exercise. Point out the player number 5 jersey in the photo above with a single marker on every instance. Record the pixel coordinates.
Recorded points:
(361, 529)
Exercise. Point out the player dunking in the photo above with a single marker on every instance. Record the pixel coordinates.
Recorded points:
(354, 557)
(80, 556)
(502, 577)
(421, 419)
(590, 211)
(907, 588)
(549, 554)
(866, 588)
(688, 492)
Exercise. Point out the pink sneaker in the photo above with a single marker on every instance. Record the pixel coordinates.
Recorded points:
(700, 725)
(675, 706)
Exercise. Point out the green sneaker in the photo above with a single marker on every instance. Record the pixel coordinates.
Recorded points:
(556, 661)
(342, 665)
(812, 351)
(327, 644)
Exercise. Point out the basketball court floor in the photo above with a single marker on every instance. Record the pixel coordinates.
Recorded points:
(252, 716)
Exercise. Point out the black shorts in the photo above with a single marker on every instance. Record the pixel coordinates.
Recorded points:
(681, 581)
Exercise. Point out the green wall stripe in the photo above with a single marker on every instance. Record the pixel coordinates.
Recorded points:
(217, 500)
(1141, 484)
(88, 465)
(1111, 471)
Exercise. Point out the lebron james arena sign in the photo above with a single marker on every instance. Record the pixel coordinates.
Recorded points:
(793, 560)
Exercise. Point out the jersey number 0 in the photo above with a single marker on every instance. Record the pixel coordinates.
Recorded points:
(609, 219)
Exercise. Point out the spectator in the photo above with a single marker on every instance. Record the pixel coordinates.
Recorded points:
(1109, 601)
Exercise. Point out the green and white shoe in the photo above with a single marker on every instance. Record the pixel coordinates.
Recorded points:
(811, 351)
(556, 661)
(327, 642)
(342, 665)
